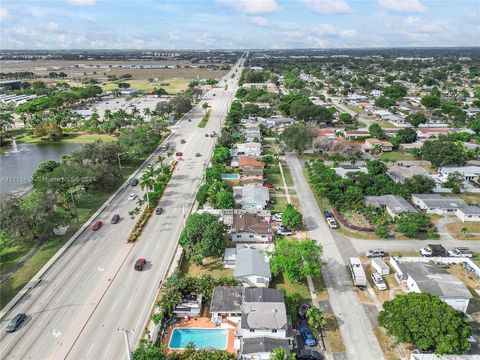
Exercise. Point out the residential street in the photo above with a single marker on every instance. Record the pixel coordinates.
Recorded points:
(355, 327)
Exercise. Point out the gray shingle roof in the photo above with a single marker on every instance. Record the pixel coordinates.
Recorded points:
(437, 201)
(264, 308)
(263, 344)
(226, 299)
(433, 279)
(251, 262)
(470, 210)
(396, 204)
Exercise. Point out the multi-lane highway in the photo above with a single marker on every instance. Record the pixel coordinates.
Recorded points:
(92, 290)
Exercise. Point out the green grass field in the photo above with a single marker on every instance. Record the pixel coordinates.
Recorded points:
(172, 86)
(397, 155)
(22, 137)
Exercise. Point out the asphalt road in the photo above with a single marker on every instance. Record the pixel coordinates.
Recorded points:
(93, 290)
(355, 327)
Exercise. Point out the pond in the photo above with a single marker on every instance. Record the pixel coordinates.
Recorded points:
(18, 164)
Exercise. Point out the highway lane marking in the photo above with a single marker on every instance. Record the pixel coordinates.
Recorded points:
(100, 268)
(108, 348)
(56, 333)
(91, 348)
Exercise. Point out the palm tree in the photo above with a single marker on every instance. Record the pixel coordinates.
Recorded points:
(147, 181)
(205, 106)
(280, 354)
(464, 231)
(147, 112)
(316, 319)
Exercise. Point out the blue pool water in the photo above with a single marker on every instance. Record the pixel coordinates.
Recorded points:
(230, 176)
(202, 338)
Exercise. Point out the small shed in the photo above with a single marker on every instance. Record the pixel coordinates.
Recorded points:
(379, 266)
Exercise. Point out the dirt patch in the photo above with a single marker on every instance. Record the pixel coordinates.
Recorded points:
(464, 231)
(334, 337)
(389, 349)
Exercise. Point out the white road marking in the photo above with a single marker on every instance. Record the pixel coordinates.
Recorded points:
(91, 348)
(56, 333)
(108, 348)
(100, 268)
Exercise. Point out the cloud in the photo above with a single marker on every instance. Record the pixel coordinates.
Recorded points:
(402, 5)
(257, 20)
(82, 2)
(328, 7)
(325, 29)
(252, 6)
(4, 14)
(348, 33)
(421, 26)
(49, 26)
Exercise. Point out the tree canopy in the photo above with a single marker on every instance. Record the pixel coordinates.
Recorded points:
(296, 259)
(427, 322)
(291, 217)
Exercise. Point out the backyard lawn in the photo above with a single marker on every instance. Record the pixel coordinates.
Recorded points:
(465, 231)
(396, 156)
(213, 267)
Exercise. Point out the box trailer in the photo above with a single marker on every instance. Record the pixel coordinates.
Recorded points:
(358, 274)
(380, 267)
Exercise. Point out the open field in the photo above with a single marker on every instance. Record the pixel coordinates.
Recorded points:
(213, 267)
(386, 125)
(22, 136)
(396, 155)
(171, 86)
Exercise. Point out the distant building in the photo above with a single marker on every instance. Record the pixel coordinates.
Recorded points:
(357, 134)
(327, 133)
(467, 172)
(438, 204)
(371, 144)
(468, 213)
(429, 133)
(400, 173)
(393, 204)
(433, 279)
(343, 171)
(251, 228)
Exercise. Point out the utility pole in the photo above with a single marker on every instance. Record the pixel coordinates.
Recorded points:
(125, 337)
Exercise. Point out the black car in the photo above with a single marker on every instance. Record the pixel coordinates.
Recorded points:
(134, 182)
(158, 210)
(115, 219)
(15, 323)
(302, 310)
(306, 354)
(327, 214)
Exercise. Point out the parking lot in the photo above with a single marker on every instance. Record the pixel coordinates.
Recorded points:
(116, 103)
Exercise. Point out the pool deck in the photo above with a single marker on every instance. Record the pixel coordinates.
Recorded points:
(201, 323)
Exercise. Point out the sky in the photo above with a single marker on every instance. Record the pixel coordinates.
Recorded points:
(237, 24)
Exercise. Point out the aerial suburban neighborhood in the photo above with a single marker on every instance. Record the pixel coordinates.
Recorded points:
(214, 197)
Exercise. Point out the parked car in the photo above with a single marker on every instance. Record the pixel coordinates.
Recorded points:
(307, 336)
(375, 253)
(379, 282)
(198, 155)
(277, 217)
(98, 224)
(432, 250)
(269, 186)
(140, 264)
(327, 214)
(302, 310)
(132, 197)
(164, 147)
(332, 223)
(460, 252)
(178, 154)
(158, 210)
(115, 219)
(284, 232)
(134, 182)
(15, 323)
(307, 354)
(206, 135)
(182, 141)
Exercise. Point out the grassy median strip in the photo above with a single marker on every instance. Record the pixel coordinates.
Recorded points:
(204, 120)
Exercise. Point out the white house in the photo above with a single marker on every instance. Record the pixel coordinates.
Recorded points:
(438, 204)
(252, 268)
(249, 149)
(431, 278)
(260, 348)
(468, 213)
(468, 172)
(251, 197)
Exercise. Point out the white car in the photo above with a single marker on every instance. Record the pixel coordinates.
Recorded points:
(332, 223)
(284, 232)
(277, 217)
(378, 281)
(460, 252)
(132, 197)
(375, 253)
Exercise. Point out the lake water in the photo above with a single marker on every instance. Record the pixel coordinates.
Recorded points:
(17, 167)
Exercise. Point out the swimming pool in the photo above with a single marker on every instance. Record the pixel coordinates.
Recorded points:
(201, 338)
(231, 176)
